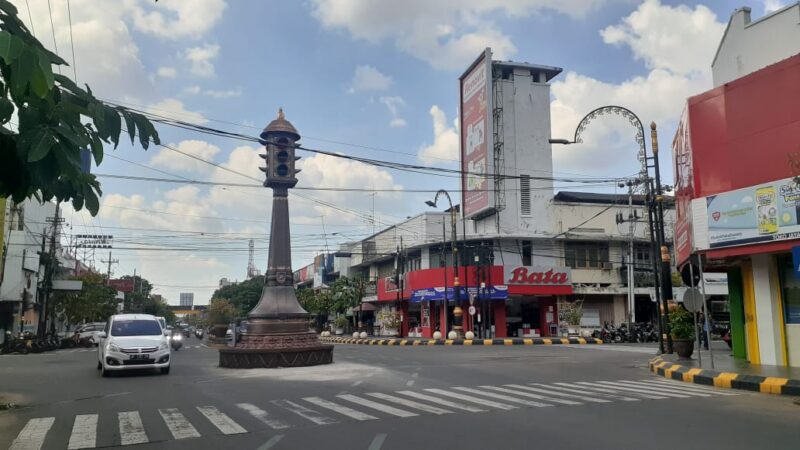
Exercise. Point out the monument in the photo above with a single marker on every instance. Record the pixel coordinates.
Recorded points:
(277, 333)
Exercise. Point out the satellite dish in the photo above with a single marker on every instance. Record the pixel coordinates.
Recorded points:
(693, 299)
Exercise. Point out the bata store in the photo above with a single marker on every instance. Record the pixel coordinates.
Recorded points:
(737, 165)
(491, 301)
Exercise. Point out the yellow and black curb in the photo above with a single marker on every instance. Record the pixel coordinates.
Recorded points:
(462, 342)
(730, 380)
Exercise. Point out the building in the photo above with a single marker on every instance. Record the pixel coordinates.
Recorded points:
(521, 251)
(187, 299)
(225, 282)
(737, 163)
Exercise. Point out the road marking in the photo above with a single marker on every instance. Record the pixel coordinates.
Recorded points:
(32, 435)
(84, 432)
(341, 409)
(224, 423)
(271, 443)
(409, 403)
(506, 398)
(595, 394)
(591, 387)
(562, 394)
(681, 385)
(177, 424)
(415, 375)
(377, 442)
(304, 412)
(623, 387)
(530, 395)
(471, 399)
(357, 383)
(410, 383)
(679, 389)
(203, 345)
(441, 401)
(131, 430)
(262, 416)
(377, 406)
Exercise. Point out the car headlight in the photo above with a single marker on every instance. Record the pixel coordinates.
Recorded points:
(113, 348)
(163, 346)
(178, 337)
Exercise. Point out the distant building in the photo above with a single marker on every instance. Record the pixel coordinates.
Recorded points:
(187, 299)
(225, 282)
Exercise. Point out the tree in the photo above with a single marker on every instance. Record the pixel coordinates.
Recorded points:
(95, 302)
(245, 295)
(221, 311)
(42, 158)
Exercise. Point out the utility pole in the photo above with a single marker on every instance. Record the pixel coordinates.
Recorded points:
(49, 270)
(666, 268)
(633, 217)
(110, 261)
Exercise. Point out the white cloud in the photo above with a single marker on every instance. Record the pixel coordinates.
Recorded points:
(223, 94)
(175, 108)
(447, 34)
(393, 103)
(368, 78)
(677, 44)
(201, 59)
(194, 90)
(176, 19)
(167, 72)
(445, 140)
(170, 159)
(773, 5)
(679, 39)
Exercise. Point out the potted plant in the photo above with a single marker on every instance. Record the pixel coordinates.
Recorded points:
(340, 323)
(391, 323)
(681, 323)
(220, 314)
(571, 313)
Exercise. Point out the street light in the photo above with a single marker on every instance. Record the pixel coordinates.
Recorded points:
(655, 216)
(457, 311)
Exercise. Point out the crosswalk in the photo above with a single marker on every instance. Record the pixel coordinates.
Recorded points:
(195, 421)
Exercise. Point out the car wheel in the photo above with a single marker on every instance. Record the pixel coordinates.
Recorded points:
(165, 370)
(99, 365)
(105, 373)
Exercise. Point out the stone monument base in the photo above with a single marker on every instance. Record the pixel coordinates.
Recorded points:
(271, 350)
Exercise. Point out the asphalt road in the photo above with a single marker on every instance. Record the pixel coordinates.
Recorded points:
(378, 398)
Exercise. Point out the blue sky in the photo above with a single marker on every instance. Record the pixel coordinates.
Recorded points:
(374, 73)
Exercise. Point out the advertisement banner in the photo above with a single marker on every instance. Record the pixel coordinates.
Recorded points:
(477, 186)
(125, 285)
(762, 213)
(537, 275)
(684, 190)
(438, 293)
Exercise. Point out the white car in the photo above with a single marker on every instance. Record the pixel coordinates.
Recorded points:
(133, 341)
(90, 331)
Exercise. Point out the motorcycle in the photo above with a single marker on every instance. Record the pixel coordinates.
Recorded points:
(198, 333)
(176, 341)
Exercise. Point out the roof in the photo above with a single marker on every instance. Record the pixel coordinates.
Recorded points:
(281, 125)
(549, 71)
(601, 199)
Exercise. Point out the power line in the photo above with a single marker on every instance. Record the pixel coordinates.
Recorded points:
(52, 27)
(72, 44)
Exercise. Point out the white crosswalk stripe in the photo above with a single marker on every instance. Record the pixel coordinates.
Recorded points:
(84, 432)
(304, 412)
(441, 401)
(694, 387)
(177, 424)
(409, 403)
(506, 390)
(131, 430)
(625, 387)
(551, 391)
(377, 406)
(224, 424)
(341, 409)
(669, 389)
(32, 435)
(570, 388)
(262, 416)
(608, 389)
(471, 399)
(505, 398)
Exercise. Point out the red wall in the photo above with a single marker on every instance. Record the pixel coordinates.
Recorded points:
(745, 133)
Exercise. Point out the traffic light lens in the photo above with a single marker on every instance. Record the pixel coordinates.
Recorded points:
(282, 170)
(283, 156)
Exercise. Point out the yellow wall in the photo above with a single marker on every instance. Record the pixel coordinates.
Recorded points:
(750, 326)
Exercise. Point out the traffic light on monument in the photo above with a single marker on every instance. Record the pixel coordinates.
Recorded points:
(280, 142)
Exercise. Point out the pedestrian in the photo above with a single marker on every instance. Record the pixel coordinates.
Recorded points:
(704, 327)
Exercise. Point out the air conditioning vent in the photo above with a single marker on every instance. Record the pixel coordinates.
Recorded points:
(607, 265)
(525, 195)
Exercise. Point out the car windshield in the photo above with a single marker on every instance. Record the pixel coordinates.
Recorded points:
(135, 328)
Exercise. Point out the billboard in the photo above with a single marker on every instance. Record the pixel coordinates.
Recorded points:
(763, 213)
(477, 162)
(124, 285)
(684, 189)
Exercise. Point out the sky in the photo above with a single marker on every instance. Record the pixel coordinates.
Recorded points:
(369, 78)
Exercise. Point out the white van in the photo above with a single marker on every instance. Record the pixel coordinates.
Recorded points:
(133, 341)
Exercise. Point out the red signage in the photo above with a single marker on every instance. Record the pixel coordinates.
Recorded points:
(536, 275)
(122, 285)
(476, 163)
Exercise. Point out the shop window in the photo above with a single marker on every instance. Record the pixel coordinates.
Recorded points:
(527, 253)
(525, 195)
(791, 292)
(580, 255)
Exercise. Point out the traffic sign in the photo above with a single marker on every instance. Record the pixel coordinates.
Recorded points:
(690, 274)
(471, 310)
(693, 299)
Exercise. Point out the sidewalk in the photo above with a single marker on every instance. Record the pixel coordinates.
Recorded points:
(728, 372)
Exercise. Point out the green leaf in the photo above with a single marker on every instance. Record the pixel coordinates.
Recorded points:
(22, 70)
(42, 77)
(97, 150)
(6, 109)
(90, 198)
(144, 129)
(130, 124)
(10, 47)
(40, 145)
(10, 9)
(114, 123)
(97, 111)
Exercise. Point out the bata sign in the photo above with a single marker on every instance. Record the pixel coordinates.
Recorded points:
(537, 275)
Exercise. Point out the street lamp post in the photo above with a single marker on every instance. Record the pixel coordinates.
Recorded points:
(655, 218)
(457, 312)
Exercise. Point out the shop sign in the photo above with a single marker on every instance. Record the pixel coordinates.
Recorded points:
(537, 275)
(762, 213)
(438, 293)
